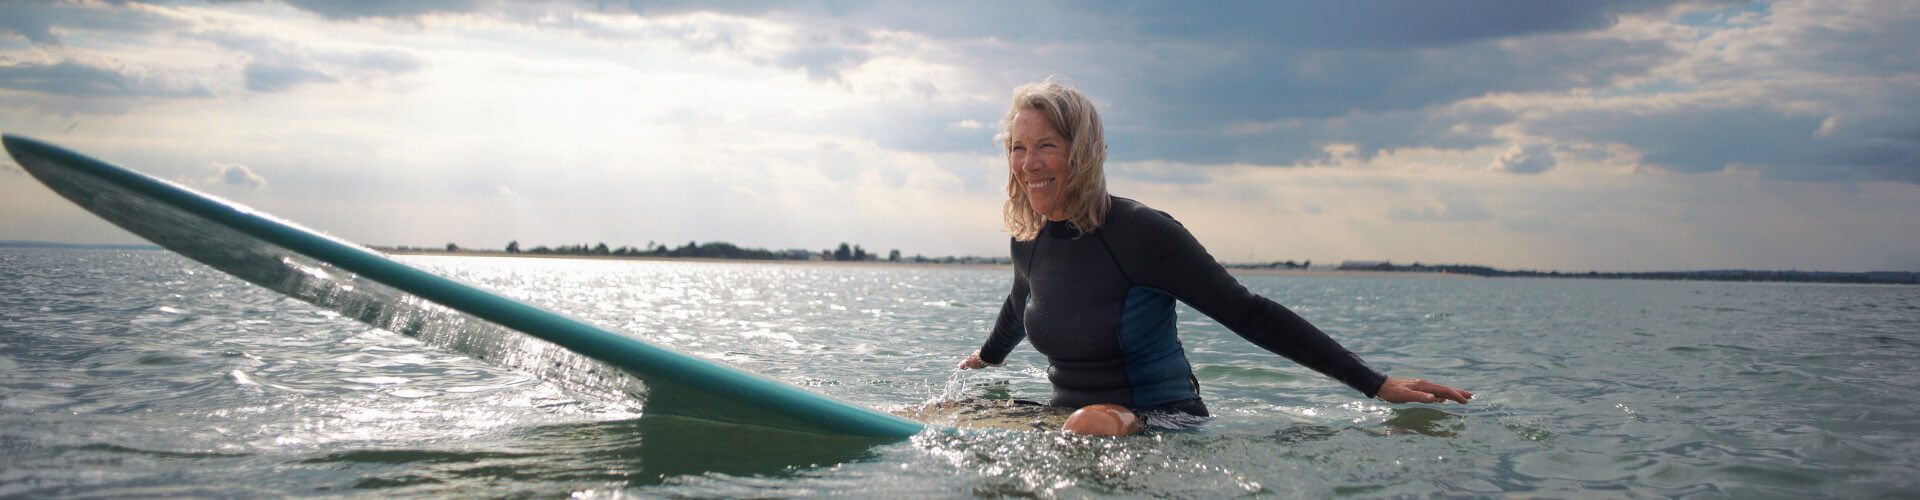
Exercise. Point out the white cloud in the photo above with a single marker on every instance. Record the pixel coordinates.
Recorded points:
(1524, 160)
(237, 175)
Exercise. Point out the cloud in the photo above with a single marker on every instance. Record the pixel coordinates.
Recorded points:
(73, 78)
(1531, 159)
(36, 20)
(1450, 210)
(1159, 173)
(823, 63)
(347, 10)
(275, 78)
(233, 174)
(1369, 26)
(27, 21)
(1174, 88)
(284, 63)
(1789, 144)
(391, 62)
(1815, 87)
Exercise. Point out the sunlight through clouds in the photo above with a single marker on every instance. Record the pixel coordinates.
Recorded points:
(1574, 136)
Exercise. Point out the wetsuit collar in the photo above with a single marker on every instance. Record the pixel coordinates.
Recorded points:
(1062, 230)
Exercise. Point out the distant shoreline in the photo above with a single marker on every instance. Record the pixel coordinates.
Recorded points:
(655, 258)
(1441, 271)
(1447, 271)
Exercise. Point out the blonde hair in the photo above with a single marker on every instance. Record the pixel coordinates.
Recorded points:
(1074, 118)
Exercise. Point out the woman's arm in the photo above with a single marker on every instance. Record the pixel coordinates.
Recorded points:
(1009, 328)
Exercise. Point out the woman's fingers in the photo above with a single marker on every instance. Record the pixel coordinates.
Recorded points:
(1399, 390)
(1442, 392)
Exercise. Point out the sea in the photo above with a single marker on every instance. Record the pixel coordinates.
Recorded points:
(141, 374)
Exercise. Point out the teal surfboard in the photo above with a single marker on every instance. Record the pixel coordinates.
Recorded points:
(367, 286)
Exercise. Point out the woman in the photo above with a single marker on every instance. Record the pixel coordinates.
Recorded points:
(1095, 277)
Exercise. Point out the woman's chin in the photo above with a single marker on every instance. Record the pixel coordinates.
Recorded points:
(1047, 210)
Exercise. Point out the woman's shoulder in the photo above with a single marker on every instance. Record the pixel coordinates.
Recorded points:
(1130, 213)
(1131, 223)
(1145, 241)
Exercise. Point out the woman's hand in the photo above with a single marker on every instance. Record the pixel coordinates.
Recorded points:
(1401, 390)
(973, 362)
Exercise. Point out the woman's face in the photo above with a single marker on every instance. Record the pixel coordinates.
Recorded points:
(1037, 156)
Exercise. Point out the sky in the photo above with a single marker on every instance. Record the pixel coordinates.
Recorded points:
(1635, 135)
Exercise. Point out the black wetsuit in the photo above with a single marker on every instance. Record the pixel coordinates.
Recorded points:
(1100, 307)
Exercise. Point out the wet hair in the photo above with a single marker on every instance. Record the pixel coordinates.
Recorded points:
(1074, 118)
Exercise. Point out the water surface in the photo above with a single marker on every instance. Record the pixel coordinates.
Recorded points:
(139, 373)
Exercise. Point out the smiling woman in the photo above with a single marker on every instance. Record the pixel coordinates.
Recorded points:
(1096, 276)
(1056, 154)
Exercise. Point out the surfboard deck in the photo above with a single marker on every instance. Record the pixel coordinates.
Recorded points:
(367, 286)
(990, 414)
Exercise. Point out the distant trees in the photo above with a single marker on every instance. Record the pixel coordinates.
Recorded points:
(854, 253)
(722, 250)
(715, 250)
(1308, 264)
(712, 250)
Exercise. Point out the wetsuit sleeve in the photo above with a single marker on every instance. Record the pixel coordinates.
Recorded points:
(1166, 256)
(1011, 325)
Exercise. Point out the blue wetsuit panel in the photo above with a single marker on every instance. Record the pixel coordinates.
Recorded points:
(1155, 362)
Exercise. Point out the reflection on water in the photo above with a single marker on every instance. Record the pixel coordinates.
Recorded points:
(140, 374)
(1423, 421)
(640, 452)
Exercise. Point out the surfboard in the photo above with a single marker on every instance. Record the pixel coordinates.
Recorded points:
(368, 286)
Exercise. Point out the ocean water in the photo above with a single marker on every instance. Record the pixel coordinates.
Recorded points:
(143, 374)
